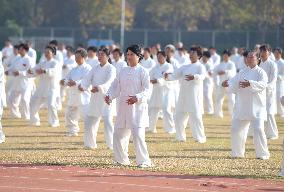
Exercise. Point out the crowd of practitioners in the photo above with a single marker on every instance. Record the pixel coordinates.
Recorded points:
(141, 85)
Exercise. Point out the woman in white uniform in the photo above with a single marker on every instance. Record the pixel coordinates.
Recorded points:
(249, 85)
(132, 88)
(48, 89)
(77, 101)
(162, 97)
(100, 79)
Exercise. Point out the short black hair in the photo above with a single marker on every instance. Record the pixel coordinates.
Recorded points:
(197, 49)
(82, 52)
(278, 49)
(265, 47)
(92, 48)
(227, 52)
(147, 49)
(52, 48)
(53, 42)
(24, 46)
(105, 50)
(118, 51)
(206, 54)
(70, 49)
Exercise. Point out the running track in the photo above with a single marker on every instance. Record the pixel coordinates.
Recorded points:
(16, 177)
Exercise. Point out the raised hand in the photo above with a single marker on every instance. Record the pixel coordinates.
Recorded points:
(225, 83)
(107, 100)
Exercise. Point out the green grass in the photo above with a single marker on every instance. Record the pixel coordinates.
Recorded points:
(46, 145)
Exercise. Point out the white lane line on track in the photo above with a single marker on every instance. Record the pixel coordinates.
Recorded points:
(150, 176)
(113, 183)
(36, 188)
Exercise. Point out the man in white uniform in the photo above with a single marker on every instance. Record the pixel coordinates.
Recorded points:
(147, 62)
(280, 80)
(270, 67)
(7, 50)
(77, 101)
(225, 70)
(92, 56)
(250, 111)
(22, 87)
(132, 88)
(189, 107)
(100, 79)
(47, 90)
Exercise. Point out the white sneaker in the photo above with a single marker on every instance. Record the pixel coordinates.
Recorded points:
(72, 134)
(37, 124)
(273, 138)
(55, 125)
(263, 158)
(144, 165)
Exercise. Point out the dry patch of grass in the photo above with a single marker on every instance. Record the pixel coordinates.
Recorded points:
(46, 145)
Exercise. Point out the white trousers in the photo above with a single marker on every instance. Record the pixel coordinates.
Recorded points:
(168, 119)
(208, 99)
(196, 124)
(271, 129)
(72, 116)
(239, 132)
(36, 103)
(282, 164)
(91, 127)
(280, 108)
(20, 103)
(2, 136)
(220, 95)
(120, 146)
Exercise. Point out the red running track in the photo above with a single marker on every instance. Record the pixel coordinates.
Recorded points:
(16, 177)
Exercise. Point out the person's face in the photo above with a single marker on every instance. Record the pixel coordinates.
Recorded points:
(205, 59)
(116, 55)
(193, 56)
(264, 54)
(79, 59)
(251, 60)
(103, 58)
(277, 55)
(226, 57)
(169, 52)
(212, 51)
(132, 58)
(146, 54)
(161, 58)
(69, 54)
(22, 51)
(91, 54)
(48, 54)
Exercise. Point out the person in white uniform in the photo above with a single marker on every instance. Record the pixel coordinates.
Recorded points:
(2, 135)
(270, 67)
(225, 70)
(7, 50)
(208, 83)
(32, 53)
(189, 108)
(47, 90)
(281, 174)
(132, 88)
(19, 98)
(280, 80)
(69, 64)
(147, 62)
(100, 79)
(92, 56)
(77, 101)
(162, 97)
(117, 62)
(249, 85)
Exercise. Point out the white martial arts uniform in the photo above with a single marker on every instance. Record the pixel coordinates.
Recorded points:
(77, 101)
(33, 55)
(21, 89)
(101, 77)
(249, 111)
(176, 84)
(162, 98)
(189, 107)
(131, 119)
(270, 67)
(2, 136)
(208, 86)
(240, 65)
(7, 52)
(280, 86)
(148, 63)
(230, 72)
(46, 92)
(119, 65)
(69, 64)
(93, 61)
(235, 58)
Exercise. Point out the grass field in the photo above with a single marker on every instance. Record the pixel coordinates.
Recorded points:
(46, 145)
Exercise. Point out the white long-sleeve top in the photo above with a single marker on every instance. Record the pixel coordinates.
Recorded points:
(270, 67)
(191, 92)
(2, 99)
(7, 63)
(131, 81)
(22, 81)
(240, 65)
(162, 88)
(228, 67)
(32, 54)
(74, 95)
(69, 64)
(93, 61)
(119, 65)
(216, 59)
(208, 81)
(280, 76)
(49, 81)
(250, 101)
(101, 77)
(148, 63)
